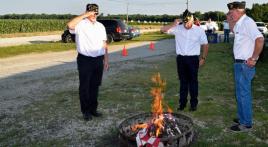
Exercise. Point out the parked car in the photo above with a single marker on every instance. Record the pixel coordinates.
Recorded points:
(262, 27)
(116, 30)
(133, 32)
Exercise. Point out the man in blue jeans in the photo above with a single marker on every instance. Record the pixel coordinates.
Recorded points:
(248, 44)
(226, 30)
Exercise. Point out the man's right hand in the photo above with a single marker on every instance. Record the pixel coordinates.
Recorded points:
(71, 24)
(89, 13)
(176, 22)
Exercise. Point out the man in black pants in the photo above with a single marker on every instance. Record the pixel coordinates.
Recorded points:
(189, 38)
(90, 36)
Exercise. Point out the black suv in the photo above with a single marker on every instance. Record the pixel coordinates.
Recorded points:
(116, 30)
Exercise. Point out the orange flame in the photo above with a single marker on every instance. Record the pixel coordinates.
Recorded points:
(157, 93)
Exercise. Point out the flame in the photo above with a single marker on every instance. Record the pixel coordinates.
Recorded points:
(157, 93)
(136, 127)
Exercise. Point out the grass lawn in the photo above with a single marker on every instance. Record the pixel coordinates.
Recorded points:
(30, 34)
(59, 46)
(56, 120)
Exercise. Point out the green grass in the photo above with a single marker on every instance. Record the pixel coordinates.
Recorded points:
(35, 48)
(217, 105)
(57, 121)
(59, 46)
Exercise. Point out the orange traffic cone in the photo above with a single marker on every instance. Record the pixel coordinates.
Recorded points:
(152, 46)
(124, 51)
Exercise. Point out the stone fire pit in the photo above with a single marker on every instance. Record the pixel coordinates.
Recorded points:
(127, 137)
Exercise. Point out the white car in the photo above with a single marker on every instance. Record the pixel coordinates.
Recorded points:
(262, 27)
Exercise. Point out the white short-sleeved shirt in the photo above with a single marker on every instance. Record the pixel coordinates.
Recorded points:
(188, 41)
(225, 25)
(89, 38)
(246, 32)
(210, 25)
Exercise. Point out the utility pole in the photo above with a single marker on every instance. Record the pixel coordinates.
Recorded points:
(127, 11)
(187, 4)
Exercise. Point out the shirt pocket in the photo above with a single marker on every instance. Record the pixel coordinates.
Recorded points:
(194, 38)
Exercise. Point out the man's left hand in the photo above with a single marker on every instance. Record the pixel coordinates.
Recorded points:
(201, 62)
(251, 62)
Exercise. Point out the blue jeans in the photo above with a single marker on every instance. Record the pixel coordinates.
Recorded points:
(243, 77)
(226, 35)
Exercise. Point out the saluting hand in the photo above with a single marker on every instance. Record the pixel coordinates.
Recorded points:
(89, 13)
(176, 22)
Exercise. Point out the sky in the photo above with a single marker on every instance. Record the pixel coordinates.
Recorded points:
(149, 7)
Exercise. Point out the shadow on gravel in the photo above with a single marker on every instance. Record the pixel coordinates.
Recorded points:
(22, 123)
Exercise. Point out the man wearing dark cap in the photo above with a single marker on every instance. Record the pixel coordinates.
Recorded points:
(90, 37)
(189, 40)
(248, 44)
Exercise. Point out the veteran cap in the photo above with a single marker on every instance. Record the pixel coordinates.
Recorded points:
(92, 7)
(187, 15)
(236, 5)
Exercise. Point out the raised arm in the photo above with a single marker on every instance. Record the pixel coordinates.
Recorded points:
(71, 24)
(230, 21)
(167, 27)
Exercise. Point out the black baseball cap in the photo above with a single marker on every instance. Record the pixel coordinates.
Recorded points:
(187, 15)
(92, 7)
(236, 5)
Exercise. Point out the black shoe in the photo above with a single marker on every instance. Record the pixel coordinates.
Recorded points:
(240, 128)
(193, 108)
(236, 120)
(181, 108)
(87, 117)
(96, 114)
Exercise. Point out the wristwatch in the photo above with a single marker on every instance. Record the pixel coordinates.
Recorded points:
(254, 59)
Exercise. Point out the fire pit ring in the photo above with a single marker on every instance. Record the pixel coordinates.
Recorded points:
(127, 138)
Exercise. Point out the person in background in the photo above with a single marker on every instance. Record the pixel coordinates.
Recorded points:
(189, 40)
(226, 30)
(90, 38)
(196, 21)
(210, 26)
(248, 44)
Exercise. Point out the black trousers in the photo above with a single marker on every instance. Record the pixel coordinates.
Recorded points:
(90, 71)
(187, 68)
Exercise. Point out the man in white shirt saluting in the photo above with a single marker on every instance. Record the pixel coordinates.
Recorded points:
(189, 40)
(90, 38)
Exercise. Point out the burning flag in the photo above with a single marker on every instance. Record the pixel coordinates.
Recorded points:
(162, 123)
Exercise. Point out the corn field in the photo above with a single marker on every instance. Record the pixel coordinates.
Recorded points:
(8, 26)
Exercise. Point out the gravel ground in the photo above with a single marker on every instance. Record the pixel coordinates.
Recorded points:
(23, 79)
(28, 40)
(29, 79)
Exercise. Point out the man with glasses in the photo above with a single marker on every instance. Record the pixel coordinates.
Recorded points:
(248, 44)
(90, 37)
(189, 40)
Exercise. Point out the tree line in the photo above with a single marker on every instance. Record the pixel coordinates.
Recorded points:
(259, 12)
